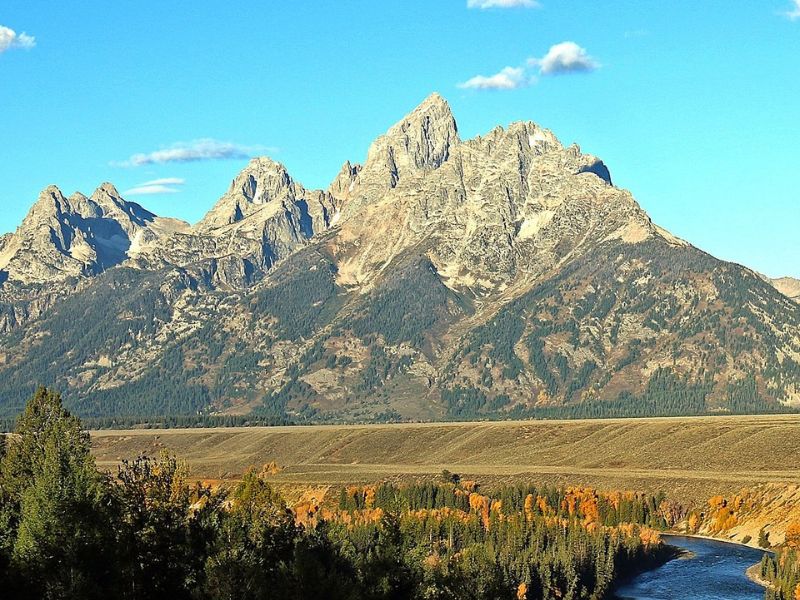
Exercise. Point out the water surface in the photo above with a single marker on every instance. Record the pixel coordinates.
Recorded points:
(715, 572)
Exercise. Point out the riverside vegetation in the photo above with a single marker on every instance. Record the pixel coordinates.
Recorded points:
(68, 530)
(781, 571)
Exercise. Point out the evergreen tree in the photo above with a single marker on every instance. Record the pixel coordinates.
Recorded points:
(255, 545)
(55, 506)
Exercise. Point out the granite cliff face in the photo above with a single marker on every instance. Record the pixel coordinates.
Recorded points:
(444, 278)
(490, 212)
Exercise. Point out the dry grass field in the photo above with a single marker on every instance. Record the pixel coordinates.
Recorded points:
(691, 458)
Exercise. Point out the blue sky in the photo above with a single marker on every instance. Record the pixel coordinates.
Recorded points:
(693, 105)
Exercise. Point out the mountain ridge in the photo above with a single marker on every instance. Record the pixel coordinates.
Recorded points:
(501, 276)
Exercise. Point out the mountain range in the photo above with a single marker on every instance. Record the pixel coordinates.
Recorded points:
(496, 277)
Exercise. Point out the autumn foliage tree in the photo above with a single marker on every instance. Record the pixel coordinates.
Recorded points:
(793, 535)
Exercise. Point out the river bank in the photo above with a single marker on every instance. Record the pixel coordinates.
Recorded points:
(754, 575)
(752, 544)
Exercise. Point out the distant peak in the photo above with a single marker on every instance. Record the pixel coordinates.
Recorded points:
(50, 190)
(50, 198)
(435, 108)
(262, 172)
(51, 203)
(435, 99)
(265, 164)
(106, 188)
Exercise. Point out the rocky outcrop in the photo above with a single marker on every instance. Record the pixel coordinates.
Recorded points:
(420, 143)
(489, 211)
(787, 286)
(264, 217)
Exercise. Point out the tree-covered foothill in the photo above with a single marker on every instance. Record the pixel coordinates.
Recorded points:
(68, 531)
(577, 345)
(411, 305)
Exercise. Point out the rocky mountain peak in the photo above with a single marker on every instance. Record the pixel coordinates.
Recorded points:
(344, 183)
(262, 182)
(108, 189)
(498, 276)
(50, 203)
(263, 217)
(78, 236)
(422, 141)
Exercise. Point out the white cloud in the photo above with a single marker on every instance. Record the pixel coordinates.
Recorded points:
(166, 185)
(11, 39)
(794, 13)
(566, 57)
(165, 181)
(484, 4)
(509, 78)
(196, 150)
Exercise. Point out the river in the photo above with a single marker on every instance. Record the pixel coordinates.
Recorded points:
(715, 571)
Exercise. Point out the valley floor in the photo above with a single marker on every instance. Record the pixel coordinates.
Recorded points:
(690, 458)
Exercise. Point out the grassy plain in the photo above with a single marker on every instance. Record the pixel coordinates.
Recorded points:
(691, 458)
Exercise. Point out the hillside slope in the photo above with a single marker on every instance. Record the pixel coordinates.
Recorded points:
(689, 458)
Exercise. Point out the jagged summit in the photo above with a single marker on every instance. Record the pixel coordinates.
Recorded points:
(78, 236)
(263, 181)
(50, 201)
(421, 141)
(265, 203)
(434, 100)
(107, 188)
(419, 180)
(488, 209)
(264, 217)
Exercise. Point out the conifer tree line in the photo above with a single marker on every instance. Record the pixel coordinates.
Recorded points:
(69, 531)
(781, 570)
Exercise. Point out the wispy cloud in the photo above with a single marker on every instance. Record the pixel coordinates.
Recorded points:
(165, 181)
(484, 4)
(11, 39)
(166, 185)
(509, 78)
(637, 33)
(566, 57)
(794, 13)
(194, 151)
(563, 58)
